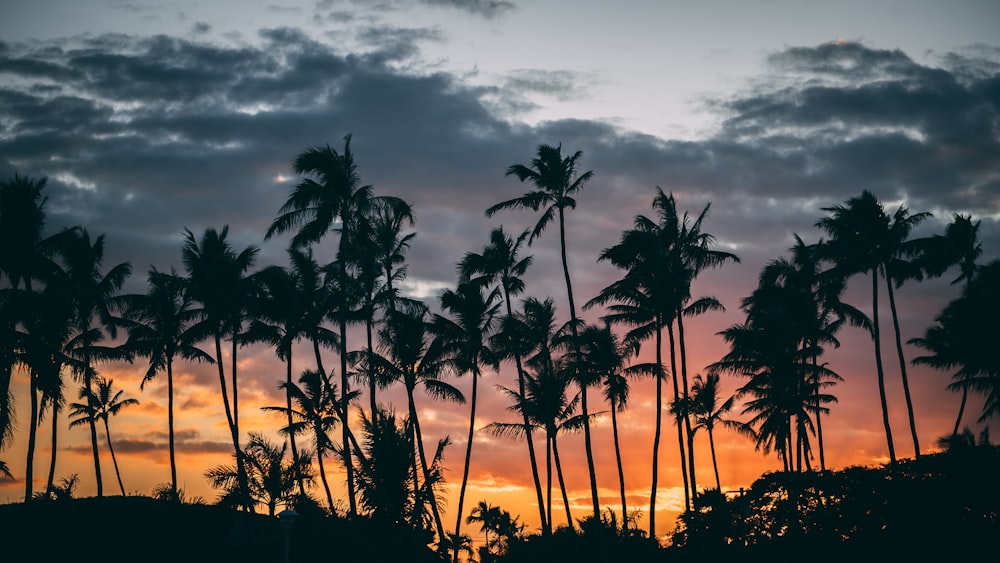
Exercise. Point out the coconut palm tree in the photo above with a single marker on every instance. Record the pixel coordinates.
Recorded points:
(4, 470)
(101, 403)
(93, 294)
(315, 410)
(555, 190)
(605, 356)
(463, 340)
(500, 263)
(708, 413)
(964, 339)
(271, 477)
(161, 326)
(864, 238)
(403, 357)
(958, 246)
(218, 279)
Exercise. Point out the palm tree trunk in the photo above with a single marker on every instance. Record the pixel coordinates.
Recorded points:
(688, 493)
(32, 434)
(114, 459)
(687, 415)
(819, 414)
(419, 439)
(659, 424)
(241, 475)
(902, 369)
(322, 475)
(344, 390)
(715, 464)
(562, 483)
(546, 524)
(92, 424)
(288, 410)
(548, 478)
(170, 426)
(368, 369)
(52, 457)
(961, 410)
(878, 365)
(468, 457)
(618, 460)
(583, 387)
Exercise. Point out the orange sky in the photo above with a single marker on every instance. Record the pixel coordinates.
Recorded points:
(499, 472)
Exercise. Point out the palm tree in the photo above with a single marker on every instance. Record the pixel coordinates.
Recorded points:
(463, 341)
(605, 356)
(404, 357)
(863, 238)
(556, 188)
(964, 338)
(958, 246)
(218, 280)
(4, 470)
(486, 516)
(708, 412)
(313, 209)
(94, 299)
(271, 478)
(101, 403)
(315, 410)
(161, 326)
(500, 263)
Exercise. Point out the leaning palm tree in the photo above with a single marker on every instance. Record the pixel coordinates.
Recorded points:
(500, 263)
(93, 294)
(161, 326)
(462, 339)
(218, 279)
(555, 190)
(101, 404)
(863, 238)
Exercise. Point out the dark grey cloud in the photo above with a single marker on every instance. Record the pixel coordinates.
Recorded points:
(485, 8)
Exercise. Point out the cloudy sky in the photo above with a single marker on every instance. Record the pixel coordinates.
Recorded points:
(150, 117)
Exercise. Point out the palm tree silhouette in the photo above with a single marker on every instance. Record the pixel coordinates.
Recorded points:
(556, 188)
(463, 341)
(161, 326)
(271, 478)
(404, 358)
(958, 246)
(605, 356)
(101, 404)
(863, 238)
(218, 280)
(708, 412)
(94, 298)
(500, 263)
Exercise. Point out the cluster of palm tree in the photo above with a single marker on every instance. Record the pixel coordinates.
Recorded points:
(62, 313)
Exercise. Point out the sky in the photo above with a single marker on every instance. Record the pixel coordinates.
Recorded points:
(149, 118)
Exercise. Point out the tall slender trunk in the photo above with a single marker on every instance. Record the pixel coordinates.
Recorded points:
(548, 478)
(322, 473)
(583, 388)
(546, 524)
(170, 426)
(92, 424)
(241, 475)
(468, 458)
(618, 460)
(687, 415)
(878, 365)
(688, 493)
(562, 483)
(902, 368)
(344, 407)
(52, 458)
(419, 439)
(715, 464)
(658, 375)
(288, 411)
(819, 413)
(32, 434)
(114, 459)
(961, 410)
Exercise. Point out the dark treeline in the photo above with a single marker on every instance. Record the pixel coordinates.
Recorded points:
(64, 315)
